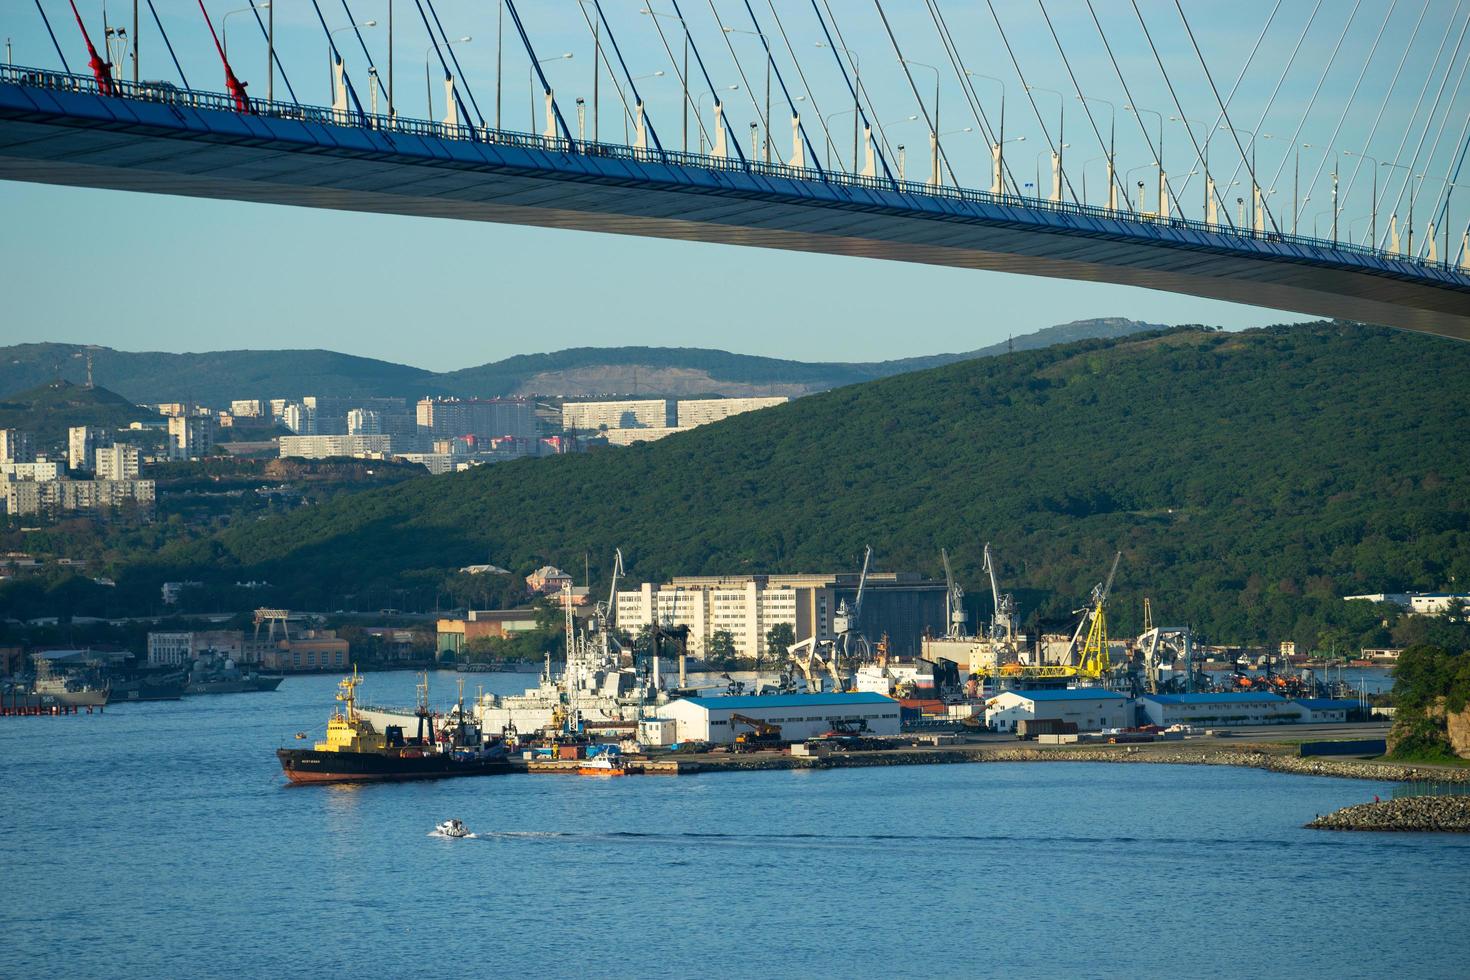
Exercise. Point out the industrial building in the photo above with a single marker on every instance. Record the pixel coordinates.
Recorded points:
(1223, 708)
(1091, 708)
(801, 716)
(453, 634)
(901, 605)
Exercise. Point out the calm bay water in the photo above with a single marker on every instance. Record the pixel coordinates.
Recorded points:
(160, 840)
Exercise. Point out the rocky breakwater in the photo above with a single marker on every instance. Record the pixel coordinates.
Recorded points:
(1437, 814)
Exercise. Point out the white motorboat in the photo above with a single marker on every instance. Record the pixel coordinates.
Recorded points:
(453, 828)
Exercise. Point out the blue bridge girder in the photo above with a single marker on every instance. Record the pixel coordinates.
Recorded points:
(56, 129)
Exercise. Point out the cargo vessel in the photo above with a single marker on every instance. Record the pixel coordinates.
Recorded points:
(355, 752)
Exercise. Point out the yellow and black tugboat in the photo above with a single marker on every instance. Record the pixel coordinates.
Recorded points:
(354, 752)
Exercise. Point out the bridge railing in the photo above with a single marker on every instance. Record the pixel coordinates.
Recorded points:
(168, 94)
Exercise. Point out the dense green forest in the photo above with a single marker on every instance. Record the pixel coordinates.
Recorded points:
(1429, 680)
(1249, 479)
(47, 411)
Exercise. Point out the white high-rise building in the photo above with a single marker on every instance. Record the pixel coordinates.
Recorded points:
(190, 436)
(15, 447)
(83, 441)
(245, 408)
(117, 463)
(364, 422)
(593, 416)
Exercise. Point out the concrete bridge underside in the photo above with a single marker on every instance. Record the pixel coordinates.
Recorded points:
(84, 140)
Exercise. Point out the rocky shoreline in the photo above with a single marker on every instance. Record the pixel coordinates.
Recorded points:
(1422, 814)
(1273, 758)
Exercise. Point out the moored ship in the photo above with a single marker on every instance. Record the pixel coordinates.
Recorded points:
(354, 751)
(214, 675)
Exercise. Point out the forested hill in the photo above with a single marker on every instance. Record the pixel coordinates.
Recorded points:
(215, 378)
(1250, 479)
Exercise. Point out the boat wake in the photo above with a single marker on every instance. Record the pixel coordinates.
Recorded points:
(441, 834)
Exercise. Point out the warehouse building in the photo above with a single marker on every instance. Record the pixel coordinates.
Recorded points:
(1091, 708)
(1225, 708)
(801, 716)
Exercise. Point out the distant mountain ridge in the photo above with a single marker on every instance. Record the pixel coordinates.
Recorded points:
(215, 377)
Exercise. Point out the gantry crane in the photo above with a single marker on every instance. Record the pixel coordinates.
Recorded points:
(1093, 661)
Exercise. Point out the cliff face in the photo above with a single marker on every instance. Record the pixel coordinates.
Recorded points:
(1457, 730)
(1435, 725)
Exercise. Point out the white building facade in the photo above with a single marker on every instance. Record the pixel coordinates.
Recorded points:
(1222, 709)
(1092, 709)
(689, 412)
(325, 447)
(801, 716)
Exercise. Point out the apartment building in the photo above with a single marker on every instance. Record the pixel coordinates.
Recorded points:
(486, 418)
(82, 443)
(117, 462)
(689, 412)
(325, 447)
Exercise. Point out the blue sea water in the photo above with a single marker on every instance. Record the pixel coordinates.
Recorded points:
(159, 840)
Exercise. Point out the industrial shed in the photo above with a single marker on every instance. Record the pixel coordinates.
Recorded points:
(1091, 708)
(1223, 708)
(801, 716)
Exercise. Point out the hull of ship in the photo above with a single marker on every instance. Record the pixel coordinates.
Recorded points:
(243, 686)
(311, 766)
(147, 689)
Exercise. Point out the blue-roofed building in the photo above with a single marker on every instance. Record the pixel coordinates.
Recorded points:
(1221, 709)
(801, 716)
(1091, 708)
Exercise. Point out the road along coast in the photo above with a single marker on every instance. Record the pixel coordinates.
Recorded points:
(1436, 814)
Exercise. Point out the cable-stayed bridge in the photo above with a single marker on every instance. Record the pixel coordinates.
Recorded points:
(772, 189)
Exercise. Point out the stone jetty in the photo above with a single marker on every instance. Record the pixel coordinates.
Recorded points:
(1437, 814)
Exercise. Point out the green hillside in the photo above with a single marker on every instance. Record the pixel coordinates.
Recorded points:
(1249, 479)
(47, 411)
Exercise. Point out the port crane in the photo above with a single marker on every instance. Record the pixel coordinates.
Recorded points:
(813, 656)
(956, 627)
(1093, 661)
(1161, 646)
(1003, 623)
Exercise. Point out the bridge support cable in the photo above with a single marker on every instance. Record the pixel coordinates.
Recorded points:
(740, 70)
(1179, 107)
(1055, 147)
(856, 101)
(275, 55)
(690, 103)
(233, 85)
(1311, 103)
(810, 97)
(1270, 102)
(535, 64)
(1452, 177)
(1229, 98)
(864, 94)
(167, 44)
(786, 92)
(601, 52)
(1108, 147)
(461, 108)
(337, 59)
(940, 159)
(56, 44)
(1434, 148)
(1155, 152)
(464, 81)
(994, 135)
(366, 54)
(1414, 114)
(1409, 175)
(1331, 142)
(1387, 96)
(719, 102)
(632, 84)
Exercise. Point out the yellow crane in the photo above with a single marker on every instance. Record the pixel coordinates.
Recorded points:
(1094, 662)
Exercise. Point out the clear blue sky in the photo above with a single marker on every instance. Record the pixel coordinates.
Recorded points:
(157, 273)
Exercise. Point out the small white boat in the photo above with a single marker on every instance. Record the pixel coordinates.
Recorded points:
(453, 828)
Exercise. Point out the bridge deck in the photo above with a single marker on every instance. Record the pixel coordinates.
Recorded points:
(76, 137)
